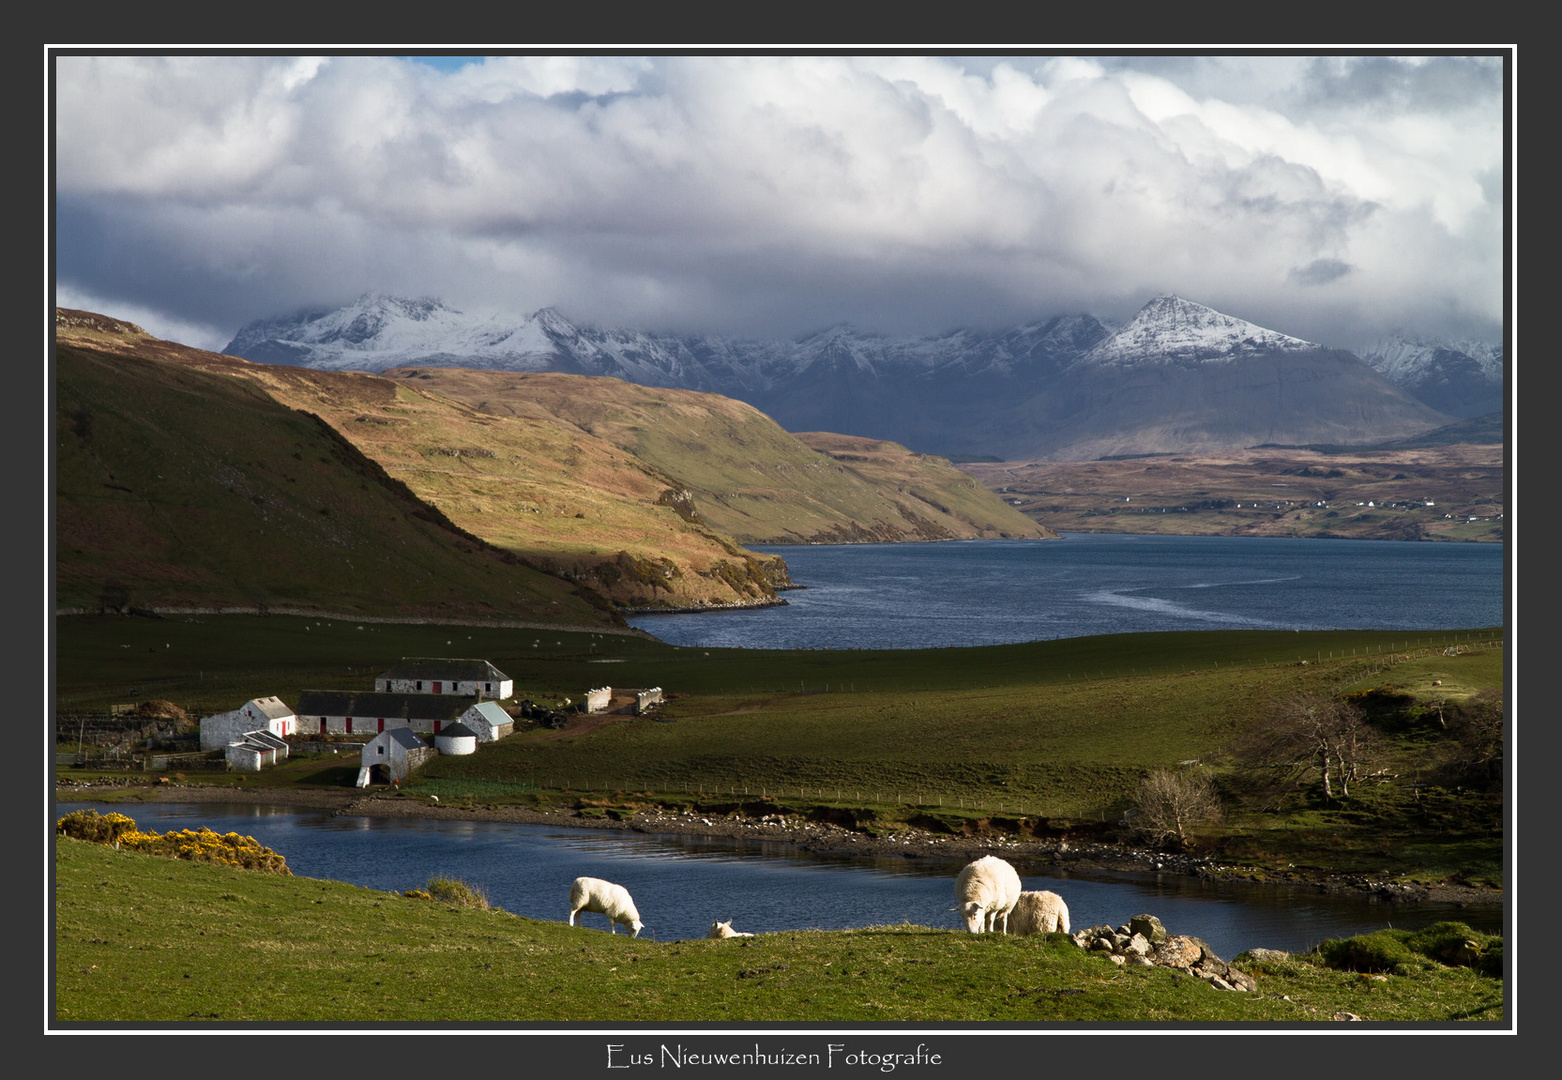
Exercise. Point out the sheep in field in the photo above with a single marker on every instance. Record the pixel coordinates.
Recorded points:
(605, 898)
(1038, 913)
(985, 892)
(724, 930)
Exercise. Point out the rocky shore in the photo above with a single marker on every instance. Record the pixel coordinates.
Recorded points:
(1030, 855)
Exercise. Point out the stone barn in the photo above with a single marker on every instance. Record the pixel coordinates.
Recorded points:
(489, 721)
(392, 755)
(349, 712)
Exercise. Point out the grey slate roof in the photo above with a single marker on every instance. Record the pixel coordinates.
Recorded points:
(456, 731)
(374, 703)
(431, 668)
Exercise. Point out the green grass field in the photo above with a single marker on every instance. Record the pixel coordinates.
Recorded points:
(146, 940)
(1054, 734)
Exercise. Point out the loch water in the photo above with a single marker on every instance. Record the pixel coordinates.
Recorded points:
(992, 592)
(682, 883)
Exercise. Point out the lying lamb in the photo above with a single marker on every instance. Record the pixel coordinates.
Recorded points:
(985, 892)
(724, 929)
(1038, 913)
(605, 898)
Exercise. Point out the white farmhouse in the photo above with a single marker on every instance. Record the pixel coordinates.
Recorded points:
(258, 714)
(434, 675)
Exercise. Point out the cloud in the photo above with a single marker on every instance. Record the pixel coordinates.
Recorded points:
(778, 194)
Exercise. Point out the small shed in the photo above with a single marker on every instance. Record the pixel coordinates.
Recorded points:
(258, 714)
(392, 755)
(456, 739)
(255, 751)
(437, 675)
(489, 721)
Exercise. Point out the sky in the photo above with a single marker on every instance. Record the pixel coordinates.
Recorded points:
(1336, 198)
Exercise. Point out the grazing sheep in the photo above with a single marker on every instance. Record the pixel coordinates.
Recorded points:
(1038, 913)
(724, 929)
(985, 892)
(605, 898)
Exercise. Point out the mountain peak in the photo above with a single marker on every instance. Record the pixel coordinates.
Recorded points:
(1170, 329)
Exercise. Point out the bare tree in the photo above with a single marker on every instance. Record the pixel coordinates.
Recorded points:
(1168, 806)
(1308, 734)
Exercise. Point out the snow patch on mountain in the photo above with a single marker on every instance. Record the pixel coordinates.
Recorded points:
(1170, 329)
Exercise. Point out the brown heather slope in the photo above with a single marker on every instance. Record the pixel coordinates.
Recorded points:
(1369, 494)
(739, 471)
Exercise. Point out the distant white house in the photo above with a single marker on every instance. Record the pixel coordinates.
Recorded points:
(435, 675)
(258, 714)
(392, 755)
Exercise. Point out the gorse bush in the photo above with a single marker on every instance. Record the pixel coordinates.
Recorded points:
(193, 845)
(93, 827)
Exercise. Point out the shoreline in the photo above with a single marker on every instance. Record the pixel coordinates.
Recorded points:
(812, 836)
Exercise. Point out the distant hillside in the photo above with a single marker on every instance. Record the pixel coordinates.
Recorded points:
(740, 472)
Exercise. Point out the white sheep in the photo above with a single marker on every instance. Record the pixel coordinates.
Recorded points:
(605, 898)
(1040, 912)
(985, 892)
(724, 930)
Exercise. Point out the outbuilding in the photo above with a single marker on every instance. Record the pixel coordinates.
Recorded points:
(255, 750)
(489, 721)
(392, 755)
(456, 739)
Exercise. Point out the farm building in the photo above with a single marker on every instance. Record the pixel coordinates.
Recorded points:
(254, 750)
(456, 739)
(392, 755)
(432, 675)
(488, 721)
(352, 712)
(258, 714)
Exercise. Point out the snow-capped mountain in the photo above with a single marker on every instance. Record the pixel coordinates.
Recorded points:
(1460, 378)
(1171, 330)
(1178, 376)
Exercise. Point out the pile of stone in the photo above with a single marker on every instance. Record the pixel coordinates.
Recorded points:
(1144, 942)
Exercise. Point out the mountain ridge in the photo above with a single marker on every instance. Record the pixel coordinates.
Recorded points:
(1041, 390)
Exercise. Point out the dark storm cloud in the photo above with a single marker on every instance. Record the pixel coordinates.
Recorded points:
(774, 195)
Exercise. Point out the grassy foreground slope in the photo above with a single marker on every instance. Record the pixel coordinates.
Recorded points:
(143, 939)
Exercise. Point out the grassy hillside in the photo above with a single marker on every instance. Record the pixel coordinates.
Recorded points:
(174, 486)
(143, 939)
(740, 471)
